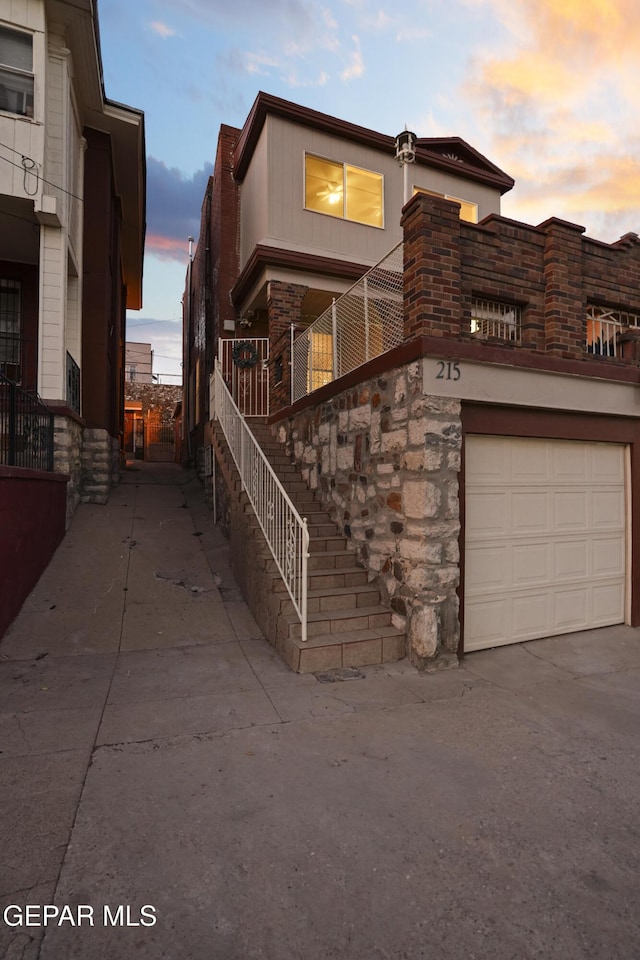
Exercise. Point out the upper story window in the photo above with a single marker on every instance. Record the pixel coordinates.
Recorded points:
(468, 209)
(16, 72)
(344, 191)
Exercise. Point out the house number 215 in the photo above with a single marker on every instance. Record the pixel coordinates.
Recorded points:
(448, 370)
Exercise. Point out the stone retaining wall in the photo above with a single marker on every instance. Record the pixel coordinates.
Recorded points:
(91, 459)
(384, 460)
(67, 447)
(98, 467)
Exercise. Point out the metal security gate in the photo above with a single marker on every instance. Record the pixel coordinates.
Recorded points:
(246, 374)
(159, 441)
(134, 435)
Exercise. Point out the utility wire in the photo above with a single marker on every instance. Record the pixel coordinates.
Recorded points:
(21, 166)
(148, 323)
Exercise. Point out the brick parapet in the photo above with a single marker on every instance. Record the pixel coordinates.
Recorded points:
(432, 290)
(551, 271)
(565, 302)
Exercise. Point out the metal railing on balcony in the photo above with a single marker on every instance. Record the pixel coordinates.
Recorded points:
(362, 324)
(26, 429)
(284, 529)
(246, 374)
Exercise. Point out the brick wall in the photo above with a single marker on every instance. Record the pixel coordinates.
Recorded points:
(551, 271)
(284, 307)
(214, 271)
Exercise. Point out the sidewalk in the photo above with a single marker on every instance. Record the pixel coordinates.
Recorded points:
(156, 752)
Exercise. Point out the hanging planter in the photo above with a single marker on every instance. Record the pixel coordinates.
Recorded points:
(244, 354)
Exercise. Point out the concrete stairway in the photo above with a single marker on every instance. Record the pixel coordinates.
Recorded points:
(347, 626)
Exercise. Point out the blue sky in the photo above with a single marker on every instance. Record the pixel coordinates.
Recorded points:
(548, 89)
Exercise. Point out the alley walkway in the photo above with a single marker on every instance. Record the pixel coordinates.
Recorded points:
(155, 753)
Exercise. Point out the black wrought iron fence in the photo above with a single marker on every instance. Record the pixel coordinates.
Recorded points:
(26, 429)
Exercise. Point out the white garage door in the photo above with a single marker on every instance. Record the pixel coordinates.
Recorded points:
(544, 540)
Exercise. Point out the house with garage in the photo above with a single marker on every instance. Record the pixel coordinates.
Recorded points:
(72, 224)
(453, 436)
(299, 207)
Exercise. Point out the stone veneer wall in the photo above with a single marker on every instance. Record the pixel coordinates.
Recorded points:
(384, 460)
(91, 458)
(67, 458)
(160, 397)
(98, 468)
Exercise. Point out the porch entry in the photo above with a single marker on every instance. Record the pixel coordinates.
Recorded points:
(244, 366)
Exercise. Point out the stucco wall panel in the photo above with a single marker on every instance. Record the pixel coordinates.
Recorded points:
(32, 520)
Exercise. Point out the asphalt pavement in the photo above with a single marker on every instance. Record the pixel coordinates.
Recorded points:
(169, 789)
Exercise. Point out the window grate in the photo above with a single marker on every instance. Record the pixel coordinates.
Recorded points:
(490, 318)
(73, 384)
(604, 326)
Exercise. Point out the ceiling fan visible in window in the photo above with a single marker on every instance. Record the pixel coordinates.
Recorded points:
(331, 192)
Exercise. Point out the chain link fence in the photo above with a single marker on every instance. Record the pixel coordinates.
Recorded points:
(363, 323)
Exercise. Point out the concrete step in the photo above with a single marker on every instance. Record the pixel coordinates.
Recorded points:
(352, 576)
(336, 622)
(329, 560)
(355, 648)
(327, 544)
(346, 623)
(336, 598)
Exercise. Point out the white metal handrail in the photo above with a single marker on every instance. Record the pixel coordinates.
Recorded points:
(284, 529)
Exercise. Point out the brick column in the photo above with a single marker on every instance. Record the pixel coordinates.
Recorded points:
(564, 297)
(432, 267)
(284, 303)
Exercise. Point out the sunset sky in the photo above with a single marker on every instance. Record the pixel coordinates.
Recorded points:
(549, 90)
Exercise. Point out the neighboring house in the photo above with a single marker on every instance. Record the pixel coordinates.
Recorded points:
(466, 415)
(138, 363)
(72, 225)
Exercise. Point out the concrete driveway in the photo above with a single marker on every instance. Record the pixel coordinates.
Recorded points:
(156, 754)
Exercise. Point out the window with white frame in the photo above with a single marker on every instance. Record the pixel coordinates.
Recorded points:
(344, 191)
(16, 72)
(468, 209)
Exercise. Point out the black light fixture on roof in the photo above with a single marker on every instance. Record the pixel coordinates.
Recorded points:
(406, 153)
